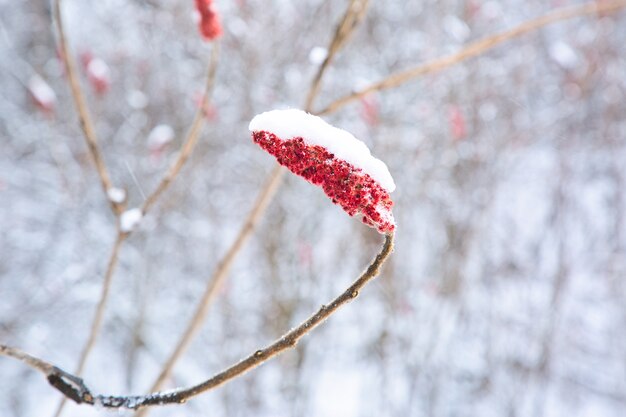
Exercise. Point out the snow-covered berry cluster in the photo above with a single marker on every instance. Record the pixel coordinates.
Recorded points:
(344, 180)
(209, 20)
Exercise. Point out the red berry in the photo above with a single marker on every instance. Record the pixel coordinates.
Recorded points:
(346, 185)
(209, 25)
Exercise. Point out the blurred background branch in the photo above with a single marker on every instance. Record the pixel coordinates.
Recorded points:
(477, 48)
(505, 295)
(348, 23)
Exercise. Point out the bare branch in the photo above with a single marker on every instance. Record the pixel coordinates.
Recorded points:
(350, 20)
(192, 136)
(104, 296)
(353, 16)
(96, 323)
(478, 48)
(74, 388)
(29, 360)
(83, 112)
(92, 141)
(219, 275)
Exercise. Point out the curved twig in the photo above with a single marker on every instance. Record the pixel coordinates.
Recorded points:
(117, 207)
(219, 275)
(477, 48)
(74, 388)
(272, 184)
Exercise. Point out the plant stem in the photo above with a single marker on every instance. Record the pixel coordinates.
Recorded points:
(74, 388)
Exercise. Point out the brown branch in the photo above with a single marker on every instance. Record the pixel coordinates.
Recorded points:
(92, 141)
(343, 30)
(74, 388)
(84, 117)
(353, 16)
(29, 360)
(219, 275)
(478, 48)
(169, 176)
(96, 323)
(99, 314)
(192, 136)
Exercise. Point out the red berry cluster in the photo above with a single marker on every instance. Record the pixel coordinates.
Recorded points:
(346, 185)
(210, 26)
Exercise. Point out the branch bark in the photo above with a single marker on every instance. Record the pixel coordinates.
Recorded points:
(219, 275)
(345, 27)
(84, 116)
(74, 388)
(118, 207)
(351, 19)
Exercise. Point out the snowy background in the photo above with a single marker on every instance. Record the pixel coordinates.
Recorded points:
(506, 293)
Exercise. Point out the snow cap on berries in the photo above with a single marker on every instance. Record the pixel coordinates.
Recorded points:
(332, 159)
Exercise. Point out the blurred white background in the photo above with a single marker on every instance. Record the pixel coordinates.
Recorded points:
(505, 295)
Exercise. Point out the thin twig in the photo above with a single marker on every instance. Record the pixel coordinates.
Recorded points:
(29, 360)
(478, 48)
(74, 388)
(352, 17)
(167, 179)
(220, 273)
(105, 181)
(192, 136)
(96, 323)
(83, 111)
(92, 142)
(99, 314)
(265, 196)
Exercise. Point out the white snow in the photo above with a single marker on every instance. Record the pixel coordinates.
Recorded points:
(456, 28)
(98, 68)
(292, 123)
(136, 99)
(116, 195)
(41, 91)
(160, 135)
(338, 392)
(317, 55)
(130, 219)
(564, 55)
